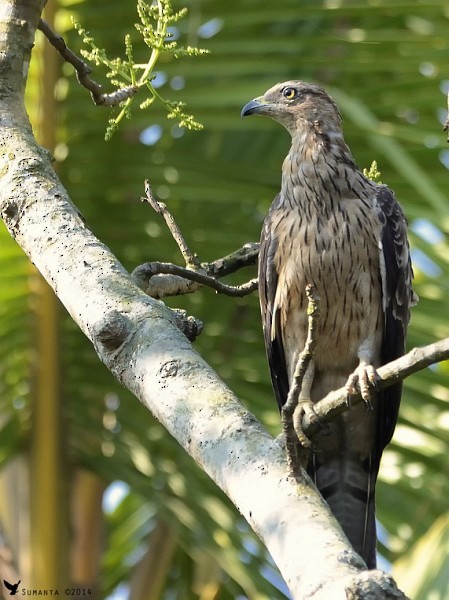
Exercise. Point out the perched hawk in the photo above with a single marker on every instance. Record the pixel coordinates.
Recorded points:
(332, 227)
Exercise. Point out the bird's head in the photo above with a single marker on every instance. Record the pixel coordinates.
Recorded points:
(298, 106)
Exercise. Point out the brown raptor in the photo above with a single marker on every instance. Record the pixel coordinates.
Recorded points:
(332, 227)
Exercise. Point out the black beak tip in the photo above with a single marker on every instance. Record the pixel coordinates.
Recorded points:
(250, 108)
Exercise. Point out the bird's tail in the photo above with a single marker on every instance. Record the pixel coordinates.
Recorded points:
(347, 483)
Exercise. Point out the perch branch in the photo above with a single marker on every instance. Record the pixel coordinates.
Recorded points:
(83, 71)
(417, 359)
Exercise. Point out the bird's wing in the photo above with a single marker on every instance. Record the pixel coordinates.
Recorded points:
(268, 281)
(8, 585)
(396, 274)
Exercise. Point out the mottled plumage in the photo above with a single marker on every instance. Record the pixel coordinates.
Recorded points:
(332, 227)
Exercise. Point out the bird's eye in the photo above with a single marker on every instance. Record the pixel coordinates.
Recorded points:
(290, 93)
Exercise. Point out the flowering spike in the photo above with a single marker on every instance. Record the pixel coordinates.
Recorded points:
(156, 18)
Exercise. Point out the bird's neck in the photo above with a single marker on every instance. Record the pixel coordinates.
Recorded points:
(319, 170)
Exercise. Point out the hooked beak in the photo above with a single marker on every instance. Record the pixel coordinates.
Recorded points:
(258, 106)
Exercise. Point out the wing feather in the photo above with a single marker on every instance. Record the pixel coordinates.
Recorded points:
(268, 281)
(397, 274)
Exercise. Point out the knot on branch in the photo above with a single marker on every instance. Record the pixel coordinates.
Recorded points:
(190, 326)
(375, 585)
(11, 216)
(112, 330)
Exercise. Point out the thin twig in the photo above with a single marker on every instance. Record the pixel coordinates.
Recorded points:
(304, 360)
(246, 256)
(190, 258)
(83, 70)
(336, 402)
(147, 270)
(185, 280)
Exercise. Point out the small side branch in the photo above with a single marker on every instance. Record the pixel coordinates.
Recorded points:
(190, 258)
(243, 257)
(83, 71)
(304, 361)
(146, 271)
(158, 279)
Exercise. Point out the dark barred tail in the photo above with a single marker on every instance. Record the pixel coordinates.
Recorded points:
(348, 486)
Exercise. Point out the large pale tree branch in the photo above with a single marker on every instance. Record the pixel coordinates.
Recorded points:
(136, 337)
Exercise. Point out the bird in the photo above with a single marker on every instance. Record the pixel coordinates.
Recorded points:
(333, 228)
(12, 587)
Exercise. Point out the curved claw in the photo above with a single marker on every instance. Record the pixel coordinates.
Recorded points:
(305, 407)
(364, 380)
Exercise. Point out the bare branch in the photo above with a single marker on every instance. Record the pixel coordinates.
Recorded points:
(159, 279)
(288, 410)
(417, 359)
(83, 70)
(188, 279)
(144, 272)
(243, 257)
(190, 258)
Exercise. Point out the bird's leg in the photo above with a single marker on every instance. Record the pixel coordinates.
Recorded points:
(364, 378)
(305, 406)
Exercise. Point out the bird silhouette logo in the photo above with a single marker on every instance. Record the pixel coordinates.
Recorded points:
(12, 587)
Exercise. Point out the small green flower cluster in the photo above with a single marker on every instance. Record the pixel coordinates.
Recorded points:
(156, 18)
(373, 172)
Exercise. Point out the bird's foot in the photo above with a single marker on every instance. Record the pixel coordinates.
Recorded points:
(304, 408)
(363, 380)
